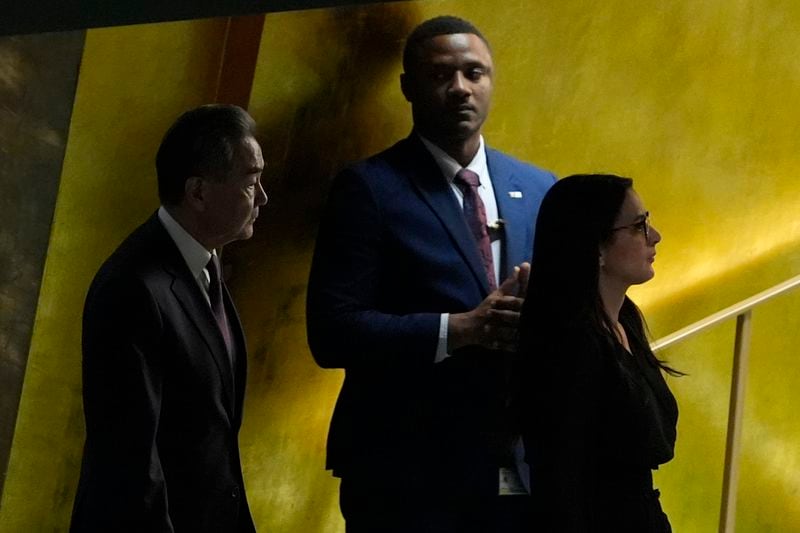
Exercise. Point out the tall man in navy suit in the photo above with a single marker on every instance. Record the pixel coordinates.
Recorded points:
(415, 288)
(163, 351)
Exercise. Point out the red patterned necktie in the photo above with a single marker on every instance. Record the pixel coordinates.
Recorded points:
(217, 306)
(475, 214)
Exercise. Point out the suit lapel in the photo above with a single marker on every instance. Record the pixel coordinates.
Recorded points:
(196, 308)
(194, 304)
(423, 172)
(509, 208)
(240, 352)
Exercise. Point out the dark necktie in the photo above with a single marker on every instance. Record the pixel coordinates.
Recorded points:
(475, 214)
(217, 305)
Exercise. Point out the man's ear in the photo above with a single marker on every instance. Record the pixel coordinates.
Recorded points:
(601, 260)
(405, 86)
(194, 193)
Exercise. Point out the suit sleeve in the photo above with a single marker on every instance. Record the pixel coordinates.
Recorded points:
(122, 389)
(348, 327)
(560, 431)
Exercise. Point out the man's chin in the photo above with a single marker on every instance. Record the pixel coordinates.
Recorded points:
(463, 132)
(467, 128)
(451, 130)
(245, 233)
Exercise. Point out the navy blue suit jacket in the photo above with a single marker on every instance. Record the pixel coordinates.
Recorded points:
(393, 253)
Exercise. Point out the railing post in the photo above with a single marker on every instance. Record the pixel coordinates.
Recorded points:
(730, 479)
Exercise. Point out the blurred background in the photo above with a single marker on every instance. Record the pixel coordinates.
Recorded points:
(691, 99)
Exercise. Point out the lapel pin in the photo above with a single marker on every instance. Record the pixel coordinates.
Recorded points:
(515, 194)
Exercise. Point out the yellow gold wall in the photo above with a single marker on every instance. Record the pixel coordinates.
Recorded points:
(690, 100)
(694, 100)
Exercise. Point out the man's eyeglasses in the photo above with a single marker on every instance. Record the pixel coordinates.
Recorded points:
(643, 226)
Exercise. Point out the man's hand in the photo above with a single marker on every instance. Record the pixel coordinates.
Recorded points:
(522, 274)
(493, 324)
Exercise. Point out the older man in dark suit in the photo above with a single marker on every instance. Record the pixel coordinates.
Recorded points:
(415, 290)
(164, 358)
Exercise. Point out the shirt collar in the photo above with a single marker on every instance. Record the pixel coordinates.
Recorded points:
(450, 166)
(195, 255)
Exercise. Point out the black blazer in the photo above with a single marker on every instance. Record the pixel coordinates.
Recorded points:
(162, 403)
(596, 420)
(392, 254)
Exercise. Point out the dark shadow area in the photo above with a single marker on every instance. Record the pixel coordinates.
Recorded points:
(59, 15)
(38, 78)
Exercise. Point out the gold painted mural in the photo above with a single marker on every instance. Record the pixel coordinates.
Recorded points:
(694, 100)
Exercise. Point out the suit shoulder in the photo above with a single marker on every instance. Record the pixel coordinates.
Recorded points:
(506, 163)
(388, 161)
(140, 248)
(385, 174)
(138, 257)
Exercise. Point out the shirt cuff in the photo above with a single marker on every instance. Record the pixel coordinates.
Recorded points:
(441, 347)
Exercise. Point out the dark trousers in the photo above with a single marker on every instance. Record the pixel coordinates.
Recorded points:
(402, 505)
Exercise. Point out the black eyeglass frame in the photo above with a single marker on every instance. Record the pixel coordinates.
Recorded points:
(642, 226)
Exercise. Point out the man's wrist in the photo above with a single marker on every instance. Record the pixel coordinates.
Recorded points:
(458, 331)
(442, 352)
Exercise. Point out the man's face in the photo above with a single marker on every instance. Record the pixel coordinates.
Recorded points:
(232, 203)
(449, 87)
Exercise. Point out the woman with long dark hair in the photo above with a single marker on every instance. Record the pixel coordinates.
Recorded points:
(596, 414)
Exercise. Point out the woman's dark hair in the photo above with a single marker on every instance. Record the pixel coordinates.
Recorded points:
(576, 217)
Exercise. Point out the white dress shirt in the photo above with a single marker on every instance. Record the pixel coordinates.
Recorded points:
(510, 482)
(194, 253)
(450, 168)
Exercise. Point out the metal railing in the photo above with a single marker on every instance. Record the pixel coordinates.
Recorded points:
(743, 311)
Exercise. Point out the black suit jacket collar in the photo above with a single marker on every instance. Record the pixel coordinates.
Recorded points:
(191, 299)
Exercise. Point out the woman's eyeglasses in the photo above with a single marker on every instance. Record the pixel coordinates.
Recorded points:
(642, 226)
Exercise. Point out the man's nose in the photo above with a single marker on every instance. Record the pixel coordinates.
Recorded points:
(458, 83)
(261, 196)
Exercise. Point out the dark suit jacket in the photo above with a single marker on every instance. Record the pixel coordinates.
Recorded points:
(595, 421)
(162, 403)
(392, 254)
